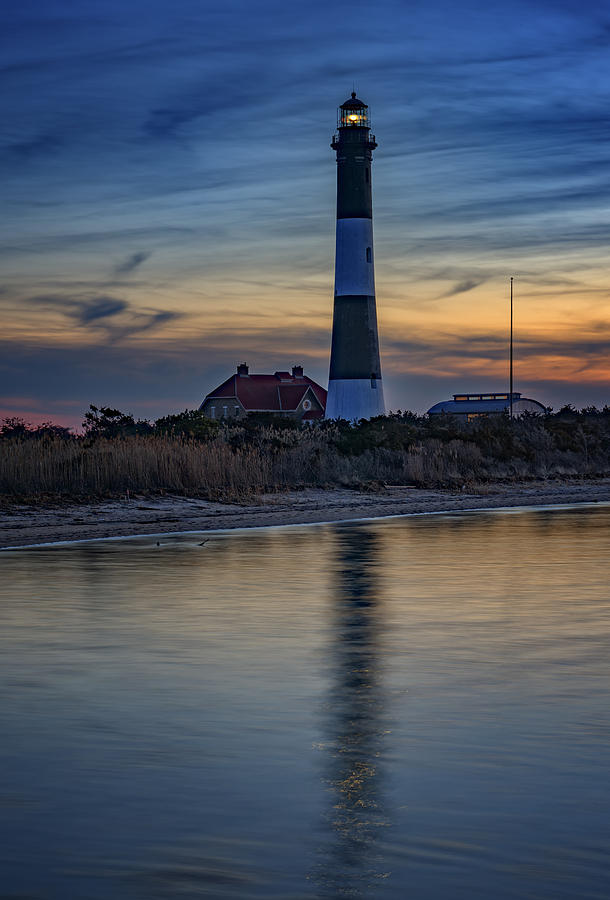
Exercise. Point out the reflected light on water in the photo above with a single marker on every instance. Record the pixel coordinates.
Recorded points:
(354, 723)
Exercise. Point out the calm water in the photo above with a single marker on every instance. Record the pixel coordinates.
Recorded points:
(412, 708)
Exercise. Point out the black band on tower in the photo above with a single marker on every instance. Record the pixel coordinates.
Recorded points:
(355, 344)
(354, 156)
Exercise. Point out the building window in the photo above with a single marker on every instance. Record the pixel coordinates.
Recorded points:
(368, 254)
(224, 411)
(472, 416)
(237, 410)
(212, 412)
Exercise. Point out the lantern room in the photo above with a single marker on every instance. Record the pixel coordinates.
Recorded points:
(353, 114)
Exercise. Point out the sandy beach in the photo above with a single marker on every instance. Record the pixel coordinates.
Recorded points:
(24, 525)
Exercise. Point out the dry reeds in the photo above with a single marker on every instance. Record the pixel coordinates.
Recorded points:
(144, 464)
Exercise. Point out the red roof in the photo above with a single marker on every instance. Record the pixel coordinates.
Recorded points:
(281, 392)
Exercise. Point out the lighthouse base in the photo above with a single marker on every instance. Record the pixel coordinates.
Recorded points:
(354, 399)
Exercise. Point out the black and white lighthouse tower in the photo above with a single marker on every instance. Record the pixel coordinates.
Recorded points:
(354, 385)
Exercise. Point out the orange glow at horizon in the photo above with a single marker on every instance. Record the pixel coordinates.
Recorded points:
(461, 335)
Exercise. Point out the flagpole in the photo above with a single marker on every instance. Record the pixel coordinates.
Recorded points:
(511, 347)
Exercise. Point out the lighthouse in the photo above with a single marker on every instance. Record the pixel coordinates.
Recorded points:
(354, 384)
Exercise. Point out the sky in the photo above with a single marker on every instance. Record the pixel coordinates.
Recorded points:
(169, 197)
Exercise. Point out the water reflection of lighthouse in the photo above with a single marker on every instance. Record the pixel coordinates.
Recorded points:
(351, 863)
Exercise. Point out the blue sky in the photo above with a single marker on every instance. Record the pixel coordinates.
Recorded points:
(169, 196)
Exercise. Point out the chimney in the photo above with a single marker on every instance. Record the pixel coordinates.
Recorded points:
(297, 371)
(242, 369)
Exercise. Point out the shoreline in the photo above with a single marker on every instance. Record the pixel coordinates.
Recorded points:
(216, 531)
(28, 526)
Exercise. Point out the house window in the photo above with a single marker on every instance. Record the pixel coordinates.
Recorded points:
(237, 410)
(212, 412)
(368, 254)
(224, 411)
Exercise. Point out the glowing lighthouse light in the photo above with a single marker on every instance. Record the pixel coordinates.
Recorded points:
(354, 385)
(353, 113)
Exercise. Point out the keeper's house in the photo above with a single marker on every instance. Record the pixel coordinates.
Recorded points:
(281, 394)
(467, 407)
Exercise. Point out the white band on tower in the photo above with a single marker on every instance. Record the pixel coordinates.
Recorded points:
(354, 265)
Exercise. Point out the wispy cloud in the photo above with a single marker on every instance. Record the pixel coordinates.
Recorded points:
(42, 145)
(462, 287)
(99, 308)
(132, 262)
(116, 317)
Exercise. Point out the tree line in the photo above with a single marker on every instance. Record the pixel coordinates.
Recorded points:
(187, 453)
